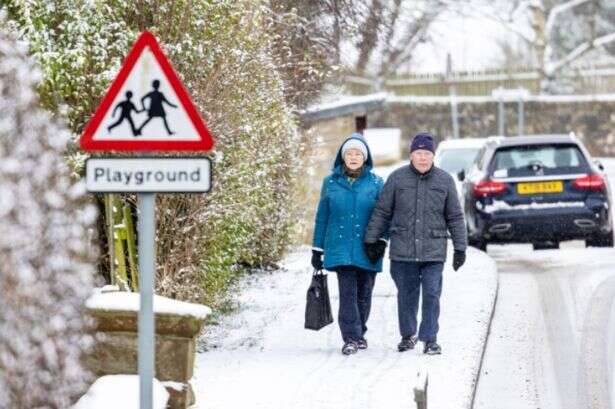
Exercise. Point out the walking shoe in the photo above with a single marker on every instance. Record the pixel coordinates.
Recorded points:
(350, 348)
(362, 343)
(407, 343)
(432, 348)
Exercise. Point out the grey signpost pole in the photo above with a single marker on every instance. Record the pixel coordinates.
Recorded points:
(453, 95)
(520, 116)
(147, 269)
(501, 117)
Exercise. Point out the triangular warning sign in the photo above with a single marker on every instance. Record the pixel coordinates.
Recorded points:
(146, 108)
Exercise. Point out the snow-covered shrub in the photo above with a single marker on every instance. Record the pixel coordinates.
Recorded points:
(46, 269)
(223, 52)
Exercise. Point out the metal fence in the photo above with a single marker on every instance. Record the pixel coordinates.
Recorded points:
(586, 80)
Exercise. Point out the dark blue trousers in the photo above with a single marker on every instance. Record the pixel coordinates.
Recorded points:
(355, 289)
(410, 278)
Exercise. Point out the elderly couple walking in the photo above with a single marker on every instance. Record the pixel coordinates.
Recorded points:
(356, 215)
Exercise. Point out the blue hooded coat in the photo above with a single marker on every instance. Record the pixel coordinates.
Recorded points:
(343, 212)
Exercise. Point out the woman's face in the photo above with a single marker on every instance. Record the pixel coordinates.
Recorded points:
(353, 158)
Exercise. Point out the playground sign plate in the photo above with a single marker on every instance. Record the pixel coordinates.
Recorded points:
(141, 175)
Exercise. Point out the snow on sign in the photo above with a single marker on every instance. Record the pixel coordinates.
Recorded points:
(146, 108)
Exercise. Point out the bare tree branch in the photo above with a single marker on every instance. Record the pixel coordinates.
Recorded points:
(579, 51)
(559, 9)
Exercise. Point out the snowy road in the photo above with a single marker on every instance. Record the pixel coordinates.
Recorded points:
(552, 338)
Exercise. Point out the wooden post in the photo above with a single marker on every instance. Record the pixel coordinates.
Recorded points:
(420, 389)
(131, 245)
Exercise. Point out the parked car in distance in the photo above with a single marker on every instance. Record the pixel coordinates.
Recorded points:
(457, 155)
(539, 189)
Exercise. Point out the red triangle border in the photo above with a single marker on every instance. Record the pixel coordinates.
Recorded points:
(87, 142)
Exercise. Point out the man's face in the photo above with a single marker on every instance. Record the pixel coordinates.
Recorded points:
(422, 160)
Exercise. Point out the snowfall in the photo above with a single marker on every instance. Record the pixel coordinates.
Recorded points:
(260, 356)
(547, 344)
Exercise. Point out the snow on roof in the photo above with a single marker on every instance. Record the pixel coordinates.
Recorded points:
(119, 391)
(462, 143)
(345, 105)
(125, 301)
(536, 139)
(347, 100)
(349, 104)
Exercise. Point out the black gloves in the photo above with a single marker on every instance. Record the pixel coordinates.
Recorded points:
(375, 251)
(459, 257)
(317, 259)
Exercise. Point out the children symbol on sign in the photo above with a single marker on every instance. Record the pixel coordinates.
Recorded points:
(126, 107)
(156, 108)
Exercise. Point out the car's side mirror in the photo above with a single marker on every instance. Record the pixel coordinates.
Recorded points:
(461, 175)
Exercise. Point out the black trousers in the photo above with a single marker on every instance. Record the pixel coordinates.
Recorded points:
(355, 290)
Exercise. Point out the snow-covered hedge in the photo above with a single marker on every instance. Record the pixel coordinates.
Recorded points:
(46, 269)
(223, 53)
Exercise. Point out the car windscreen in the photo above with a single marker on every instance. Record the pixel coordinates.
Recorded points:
(455, 160)
(530, 160)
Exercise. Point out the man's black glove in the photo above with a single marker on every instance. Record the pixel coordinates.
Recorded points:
(375, 251)
(459, 257)
(317, 259)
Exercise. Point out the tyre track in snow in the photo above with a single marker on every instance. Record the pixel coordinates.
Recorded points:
(575, 302)
(595, 379)
(583, 382)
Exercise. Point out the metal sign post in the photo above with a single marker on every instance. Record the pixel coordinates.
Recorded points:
(169, 122)
(147, 271)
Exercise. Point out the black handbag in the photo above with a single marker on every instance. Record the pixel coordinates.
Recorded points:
(318, 306)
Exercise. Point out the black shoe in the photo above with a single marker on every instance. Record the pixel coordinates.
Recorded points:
(432, 348)
(350, 348)
(362, 343)
(407, 343)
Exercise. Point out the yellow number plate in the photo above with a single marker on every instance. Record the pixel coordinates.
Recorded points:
(555, 186)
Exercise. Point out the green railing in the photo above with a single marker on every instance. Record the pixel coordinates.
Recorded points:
(122, 243)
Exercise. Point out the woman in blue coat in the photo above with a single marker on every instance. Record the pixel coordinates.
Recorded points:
(347, 198)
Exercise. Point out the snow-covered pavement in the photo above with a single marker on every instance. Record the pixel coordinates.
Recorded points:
(261, 357)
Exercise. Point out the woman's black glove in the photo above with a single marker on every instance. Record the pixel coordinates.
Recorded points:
(375, 251)
(317, 259)
(459, 257)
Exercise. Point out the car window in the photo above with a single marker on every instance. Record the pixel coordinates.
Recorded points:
(455, 160)
(480, 157)
(530, 159)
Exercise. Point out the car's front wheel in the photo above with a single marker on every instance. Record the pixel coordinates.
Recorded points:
(546, 245)
(478, 243)
(601, 240)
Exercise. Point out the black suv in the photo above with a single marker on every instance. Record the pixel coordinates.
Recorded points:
(539, 189)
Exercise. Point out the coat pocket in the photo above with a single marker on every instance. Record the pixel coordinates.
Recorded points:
(439, 234)
(437, 199)
(398, 241)
(405, 202)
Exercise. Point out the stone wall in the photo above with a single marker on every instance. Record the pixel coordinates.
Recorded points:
(591, 121)
(591, 118)
(115, 351)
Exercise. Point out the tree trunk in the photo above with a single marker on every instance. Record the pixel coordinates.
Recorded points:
(540, 42)
(369, 35)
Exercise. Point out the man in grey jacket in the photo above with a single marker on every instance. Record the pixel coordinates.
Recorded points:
(419, 202)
